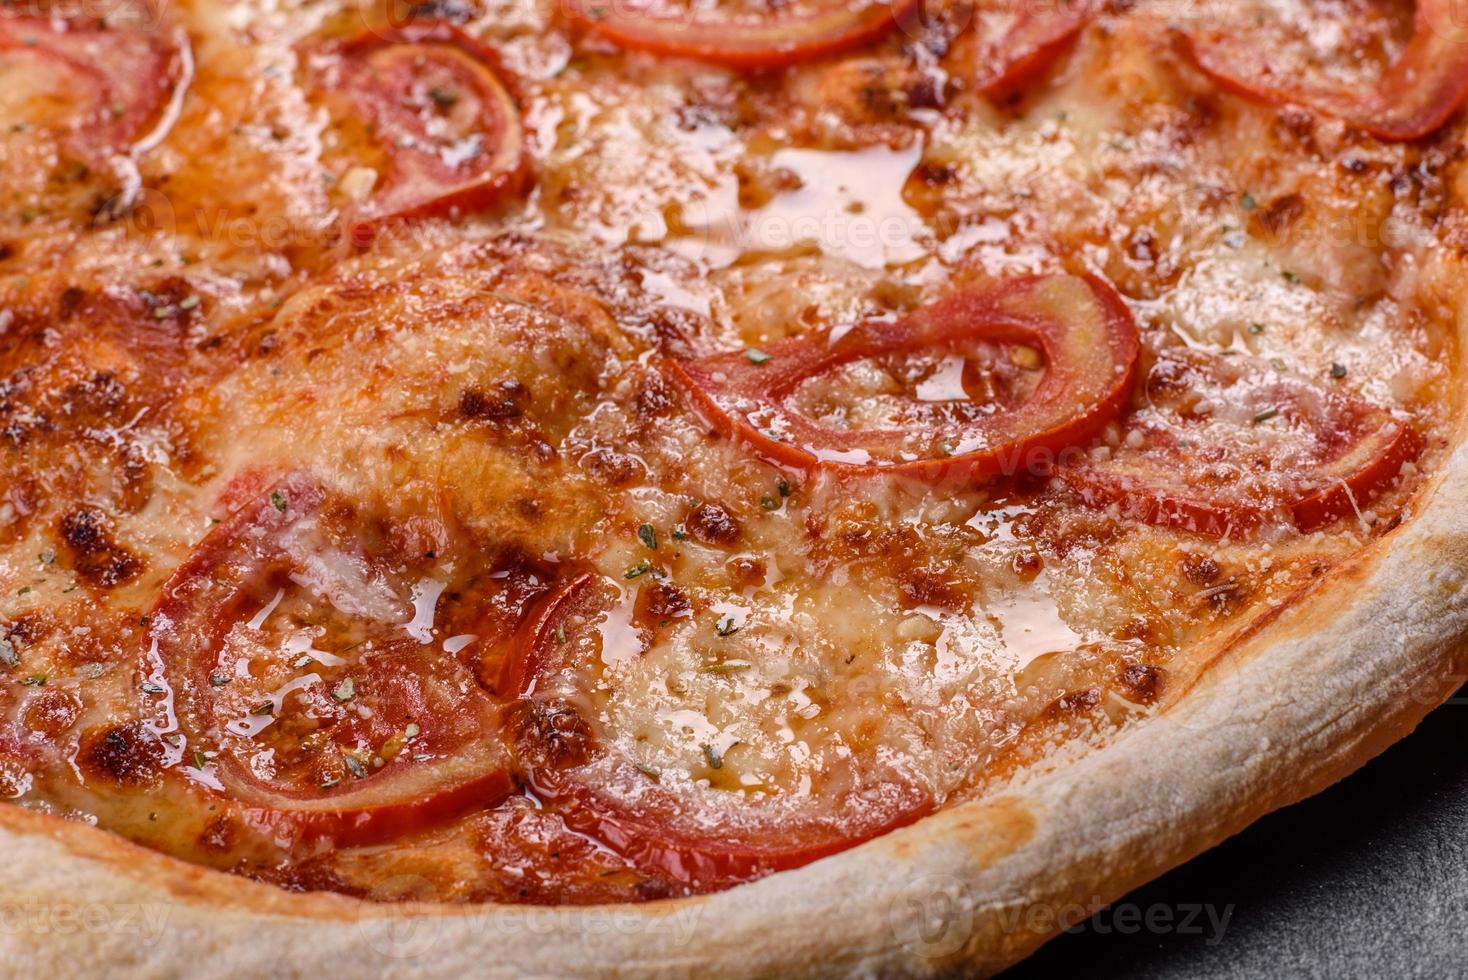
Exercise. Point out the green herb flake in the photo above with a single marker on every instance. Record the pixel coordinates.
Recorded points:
(639, 569)
(331, 784)
(769, 503)
(679, 533)
(649, 536)
(150, 688)
(304, 660)
(1338, 371)
(560, 632)
(174, 739)
(1265, 416)
(35, 680)
(47, 556)
(784, 488)
(345, 691)
(1256, 328)
(1290, 277)
(23, 590)
(756, 356)
(649, 771)
(218, 680)
(355, 767)
(278, 500)
(268, 708)
(714, 757)
(200, 763)
(727, 627)
(725, 667)
(188, 302)
(442, 97)
(1248, 201)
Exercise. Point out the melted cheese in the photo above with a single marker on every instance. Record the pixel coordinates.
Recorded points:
(954, 633)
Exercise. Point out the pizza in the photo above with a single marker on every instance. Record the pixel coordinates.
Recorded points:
(622, 487)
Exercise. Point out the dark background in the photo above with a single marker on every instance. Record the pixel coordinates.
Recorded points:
(1368, 879)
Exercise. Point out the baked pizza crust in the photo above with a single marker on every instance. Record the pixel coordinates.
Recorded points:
(1314, 691)
(1334, 679)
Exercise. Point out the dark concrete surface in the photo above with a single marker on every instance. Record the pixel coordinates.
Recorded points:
(1368, 879)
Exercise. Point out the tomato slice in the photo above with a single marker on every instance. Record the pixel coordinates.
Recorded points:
(753, 38)
(1224, 445)
(440, 107)
(122, 75)
(1413, 98)
(676, 825)
(1041, 31)
(379, 735)
(1079, 325)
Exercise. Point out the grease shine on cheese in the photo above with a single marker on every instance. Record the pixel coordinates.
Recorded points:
(958, 633)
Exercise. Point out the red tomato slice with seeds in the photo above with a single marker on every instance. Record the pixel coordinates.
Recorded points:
(305, 683)
(439, 104)
(1223, 445)
(1413, 98)
(1041, 31)
(1075, 334)
(708, 827)
(109, 83)
(753, 37)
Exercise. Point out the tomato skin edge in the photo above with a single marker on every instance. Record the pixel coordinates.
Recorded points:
(1341, 499)
(364, 226)
(1054, 30)
(642, 33)
(129, 131)
(701, 864)
(1216, 519)
(364, 826)
(1042, 448)
(517, 673)
(348, 819)
(1431, 53)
